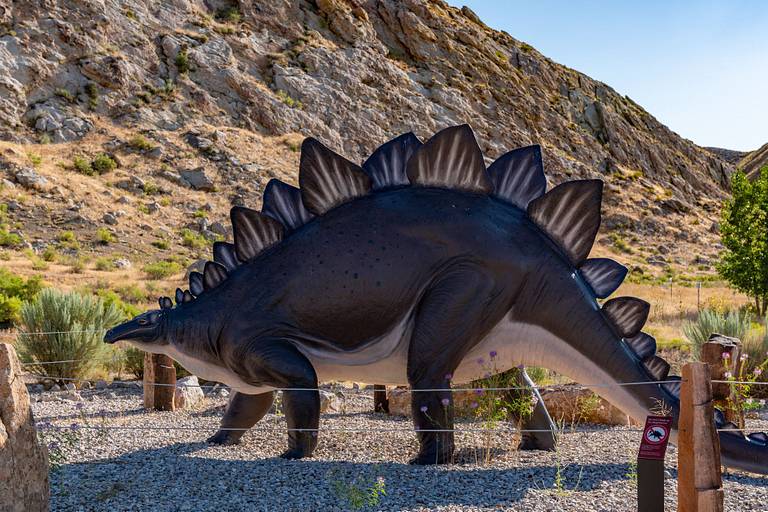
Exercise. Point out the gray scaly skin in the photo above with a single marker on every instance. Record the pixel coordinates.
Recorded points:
(406, 271)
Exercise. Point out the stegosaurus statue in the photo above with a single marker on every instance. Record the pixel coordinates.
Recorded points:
(405, 271)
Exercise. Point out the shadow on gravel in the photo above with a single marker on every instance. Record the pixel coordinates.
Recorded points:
(182, 477)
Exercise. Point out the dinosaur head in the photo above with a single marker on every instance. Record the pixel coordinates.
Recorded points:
(144, 331)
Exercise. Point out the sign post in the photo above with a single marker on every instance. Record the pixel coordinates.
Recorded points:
(650, 464)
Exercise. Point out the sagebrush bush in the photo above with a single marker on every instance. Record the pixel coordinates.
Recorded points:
(161, 269)
(59, 326)
(735, 323)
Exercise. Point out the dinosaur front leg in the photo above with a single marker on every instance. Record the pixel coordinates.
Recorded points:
(449, 317)
(243, 411)
(277, 363)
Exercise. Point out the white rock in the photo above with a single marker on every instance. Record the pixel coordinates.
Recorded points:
(188, 392)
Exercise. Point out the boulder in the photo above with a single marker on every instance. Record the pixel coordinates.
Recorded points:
(574, 404)
(197, 179)
(29, 178)
(188, 392)
(400, 402)
(23, 459)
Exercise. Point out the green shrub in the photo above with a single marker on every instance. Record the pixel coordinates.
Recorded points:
(193, 240)
(229, 15)
(10, 309)
(82, 165)
(68, 240)
(50, 254)
(161, 244)
(64, 93)
(134, 362)
(729, 323)
(132, 293)
(105, 236)
(161, 269)
(103, 163)
(75, 325)
(14, 290)
(35, 159)
(182, 61)
(140, 143)
(9, 239)
(112, 298)
(104, 264)
(151, 189)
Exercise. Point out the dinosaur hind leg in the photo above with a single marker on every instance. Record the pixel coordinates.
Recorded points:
(540, 429)
(243, 411)
(448, 319)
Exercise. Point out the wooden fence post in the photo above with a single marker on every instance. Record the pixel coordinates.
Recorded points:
(726, 396)
(159, 369)
(699, 481)
(380, 401)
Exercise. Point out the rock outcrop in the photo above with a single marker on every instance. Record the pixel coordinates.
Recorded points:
(23, 459)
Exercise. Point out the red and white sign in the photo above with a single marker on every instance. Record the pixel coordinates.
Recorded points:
(655, 437)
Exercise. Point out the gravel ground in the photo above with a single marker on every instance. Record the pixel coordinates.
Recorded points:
(174, 470)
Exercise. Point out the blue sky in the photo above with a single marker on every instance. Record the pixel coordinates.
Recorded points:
(700, 67)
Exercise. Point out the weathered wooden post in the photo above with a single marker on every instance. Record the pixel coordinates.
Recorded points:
(159, 382)
(380, 401)
(699, 481)
(723, 354)
(23, 458)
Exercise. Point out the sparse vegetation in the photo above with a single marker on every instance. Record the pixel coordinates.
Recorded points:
(103, 163)
(68, 240)
(229, 14)
(14, 290)
(161, 244)
(92, 91)
(105, 236)
(286, 98)
(82, 165)
(182, 61)
(104, 264)
(161, 269)
(35, 159)
(140, 143)
(193, 240)
(65, 94)
(151, 189)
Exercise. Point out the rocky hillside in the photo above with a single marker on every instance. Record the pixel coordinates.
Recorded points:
(754, 161)
(200, 102)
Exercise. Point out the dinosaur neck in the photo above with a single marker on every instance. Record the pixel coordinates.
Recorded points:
(581, 343)
(194, 331)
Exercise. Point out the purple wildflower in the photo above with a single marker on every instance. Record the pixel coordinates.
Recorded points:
(727, 375)
(744, 357)
(446, 402)
(448, 376)
(423, 408)
(480, 360)
(478, 391)
(473, 405)
(726, 355)
(758, 372)
(493, 354)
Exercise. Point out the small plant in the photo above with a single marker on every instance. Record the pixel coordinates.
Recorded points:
(134, 362)
(140, 143)
(229, 15)
(65, 94)
(130, 14)
(105, 236)
(50, 254)
(8, 239)
(285, 98)
(14, 290)
(92, 91)
(161, 244)
(143, 208)
(59, 326)
(82, 165)
(161, 269)
(68, 240)
(38, 263)
(35, 159)
(193, 240)
(741, 386)
(182, 61)
(151, 189)
(103, 163)
(359, 493)
(76, 264)
(200, 214)
(104, 264)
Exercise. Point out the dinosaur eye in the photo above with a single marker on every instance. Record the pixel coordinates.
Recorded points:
(142, 321)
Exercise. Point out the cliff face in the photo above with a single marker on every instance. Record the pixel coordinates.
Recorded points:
(753, 162)
(351, 73)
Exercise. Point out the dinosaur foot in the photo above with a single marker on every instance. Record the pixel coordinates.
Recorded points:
(224, 438)
(430, 458)
(294, 453)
